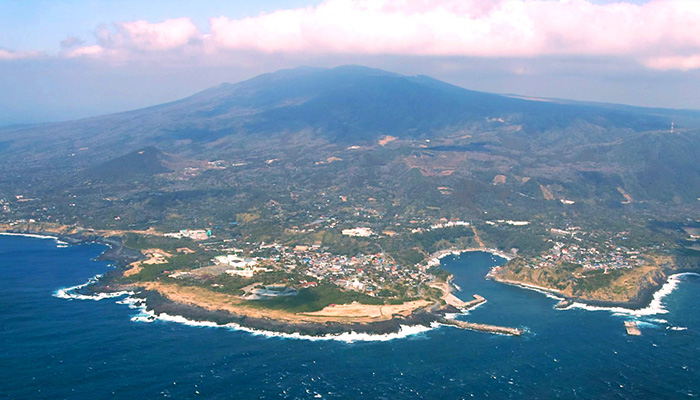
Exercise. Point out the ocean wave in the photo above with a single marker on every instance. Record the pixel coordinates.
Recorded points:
(657, 320)
(347, 337)
(678, 328)
(59, 243)
(30, 235)
(71, 293)
(452, 315)
(644, 323)
(655, 307)
(474, 307)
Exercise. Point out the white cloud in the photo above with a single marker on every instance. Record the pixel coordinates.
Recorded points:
(683, 63)
(71, 42)
(17, 55)
(660, 34)
(90, 51)
(145, 36)
(480, 28)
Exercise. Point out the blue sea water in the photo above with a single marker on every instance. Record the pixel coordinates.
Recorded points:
(53, 348)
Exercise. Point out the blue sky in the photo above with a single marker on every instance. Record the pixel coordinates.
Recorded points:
(62, 60)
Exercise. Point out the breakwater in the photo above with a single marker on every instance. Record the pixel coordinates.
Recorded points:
(478, 300)
(472, 326)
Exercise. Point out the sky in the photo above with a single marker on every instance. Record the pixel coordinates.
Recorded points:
(62, 60)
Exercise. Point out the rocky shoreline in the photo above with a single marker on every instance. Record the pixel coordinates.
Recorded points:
(159, 304)
(643, 299)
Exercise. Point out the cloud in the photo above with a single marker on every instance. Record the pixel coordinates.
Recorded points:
(683, 63)
(145, 36)
(141, 40)
(474, 28)
(660, 34)
(85, 51)
(71, 42)
(17, 55)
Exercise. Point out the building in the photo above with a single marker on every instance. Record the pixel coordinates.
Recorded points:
(358, 232)
(196, 234)
(235, 261)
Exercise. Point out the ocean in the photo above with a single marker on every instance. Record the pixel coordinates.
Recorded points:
(56, 347)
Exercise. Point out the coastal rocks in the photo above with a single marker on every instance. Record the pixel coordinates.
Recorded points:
(638, 298)
(648, 285)
(118, 253)
(563, 304)
(159, 304)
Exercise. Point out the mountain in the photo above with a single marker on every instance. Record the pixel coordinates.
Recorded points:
(412, 141)
(345, 104)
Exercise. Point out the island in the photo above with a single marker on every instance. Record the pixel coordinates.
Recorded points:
(321, 200)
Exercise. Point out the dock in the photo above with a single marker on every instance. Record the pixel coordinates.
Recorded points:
(501, 330)
(632, 328)
(478, 300)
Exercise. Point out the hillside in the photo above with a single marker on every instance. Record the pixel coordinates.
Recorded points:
(348, 104)
(306, 137)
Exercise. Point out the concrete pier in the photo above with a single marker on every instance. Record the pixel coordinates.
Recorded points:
(478, 300)
(632, 328)
(502, 330)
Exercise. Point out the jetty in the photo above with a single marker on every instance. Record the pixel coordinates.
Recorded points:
(472, 326)
(632, 328)
(461, 304)
(478, 300)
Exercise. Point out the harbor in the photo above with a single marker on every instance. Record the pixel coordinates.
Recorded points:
(452, 300)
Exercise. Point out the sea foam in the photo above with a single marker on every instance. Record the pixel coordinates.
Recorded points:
(59, 243)
(31, 235)
(678, 328)
(347, 337)
(655, 307)
(71, 293)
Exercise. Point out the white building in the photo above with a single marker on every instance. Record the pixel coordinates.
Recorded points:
(235, 261)
(246, 272)
(359, 232)
(196, 234)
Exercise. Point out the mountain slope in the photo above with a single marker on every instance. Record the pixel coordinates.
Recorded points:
(342, 104)
(292, 121)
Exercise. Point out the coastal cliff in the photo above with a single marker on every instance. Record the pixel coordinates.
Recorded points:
(629, 288)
